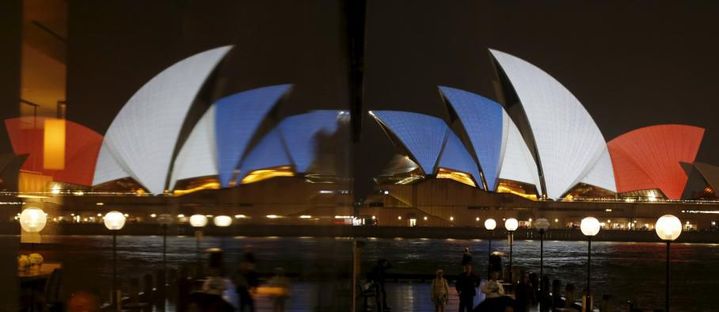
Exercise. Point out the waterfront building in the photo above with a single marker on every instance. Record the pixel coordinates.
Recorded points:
(534, 150)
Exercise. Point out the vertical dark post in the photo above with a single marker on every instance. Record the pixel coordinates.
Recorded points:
(668, 278)
(355, 11)
(489, 257)
(511, 242)
(355, 22)
(589, 274)
(11, 29)
(541, 267)
(32, 289)
(198, 233)
(114, 271)
(162, 289)
(164, 252)
(355, 14)
(541, 255)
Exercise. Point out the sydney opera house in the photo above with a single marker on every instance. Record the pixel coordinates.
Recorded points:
(532, 150)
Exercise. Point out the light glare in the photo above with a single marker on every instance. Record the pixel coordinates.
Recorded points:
(490, 224)
(590, 226)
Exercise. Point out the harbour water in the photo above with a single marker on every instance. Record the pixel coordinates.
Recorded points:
(626, 271)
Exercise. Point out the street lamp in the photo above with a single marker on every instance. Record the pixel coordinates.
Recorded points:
(33, 220)
(222, 221)
(114, 221)
(490, 225)
(198, 221)
(511, 225)
(542, 225)
(165, 220)
(590, 227)
(668, 228)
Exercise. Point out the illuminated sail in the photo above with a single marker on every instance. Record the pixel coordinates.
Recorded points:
(142, 137)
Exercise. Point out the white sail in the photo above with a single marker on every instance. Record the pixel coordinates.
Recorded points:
(198, 156)
(107, 167)
(517, 161)
(143, 135)
(568, 142)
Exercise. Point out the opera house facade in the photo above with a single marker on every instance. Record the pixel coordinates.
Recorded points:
(532, 151)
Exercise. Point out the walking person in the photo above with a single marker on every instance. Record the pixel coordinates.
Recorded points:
(247, 280)
(493, 288)
(495, 299)
(524, 294)
(466, 286)
(220, 291)
(281, 285)
(440, 291)
(377, 276)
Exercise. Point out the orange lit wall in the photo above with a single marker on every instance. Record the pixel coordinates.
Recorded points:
(29, 182)
(79, 148)
(53, 156)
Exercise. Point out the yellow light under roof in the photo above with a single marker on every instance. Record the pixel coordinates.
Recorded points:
(410, 179)
(505, 189)
(460, 177)
(264, 174)
(53, 156)
(214, 185)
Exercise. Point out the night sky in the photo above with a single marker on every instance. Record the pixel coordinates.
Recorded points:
(631, 63)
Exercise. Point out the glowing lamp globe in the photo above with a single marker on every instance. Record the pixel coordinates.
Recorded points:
(511, 224)
(541, 224)
(490, 224)
(590, 226)
(668, 227)
(222, 221)
(33, 220)
(114, 220)
(198, 220)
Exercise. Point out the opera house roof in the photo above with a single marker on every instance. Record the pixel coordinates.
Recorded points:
(537, 134)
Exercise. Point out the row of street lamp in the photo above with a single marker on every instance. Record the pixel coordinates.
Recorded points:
(667, 227)
(115, 220)
(33, 220)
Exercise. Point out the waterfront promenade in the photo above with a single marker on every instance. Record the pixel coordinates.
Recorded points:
(319, 268)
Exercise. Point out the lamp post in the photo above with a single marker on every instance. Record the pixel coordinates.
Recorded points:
(668, 228)
(165, 220)
(490, 225)
(590, 227)
(222, 222)
(114, 221)
(198, 222)
(33, 220)
(542, 225)
(511, 225)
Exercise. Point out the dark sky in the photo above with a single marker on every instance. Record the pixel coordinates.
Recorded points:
(631, 63)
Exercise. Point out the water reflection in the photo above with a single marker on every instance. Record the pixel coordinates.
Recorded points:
(624, 270)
